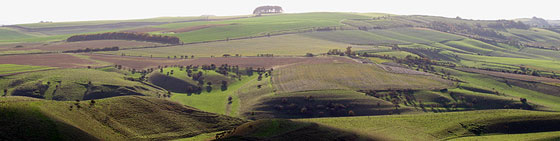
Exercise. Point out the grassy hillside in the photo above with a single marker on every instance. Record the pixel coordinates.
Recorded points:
(118, 118)
(74, 84)
(215, 100)
(9, 34)
(544, 136)
(277, 129)
(446, 125)
(348, 76)
(325, 103)
(258, 26)
(12, 68)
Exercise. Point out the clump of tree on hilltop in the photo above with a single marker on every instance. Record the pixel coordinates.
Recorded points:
(125, 36)
(267, 9)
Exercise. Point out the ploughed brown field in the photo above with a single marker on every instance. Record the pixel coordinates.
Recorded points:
(267, 62)
(63, 46)
(51, 60)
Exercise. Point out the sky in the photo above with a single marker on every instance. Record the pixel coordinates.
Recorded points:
(32, 11)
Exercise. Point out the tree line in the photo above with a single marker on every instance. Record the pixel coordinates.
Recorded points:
(125, 36)
(115, 48)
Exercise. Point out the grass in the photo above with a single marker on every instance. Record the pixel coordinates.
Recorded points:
(354, 37)
(13, 68)
(537, 35)
(555, 135)
(285, 45)
(215, 101)
(428, 126)
(551, 54)
(259, 25)
(417, 35)
(358, 103)
(282, 129)
(10, 34)
(398, 54)
(348, 76)
(488, 82)
(378, 60)
(538, 64)
(73, 84)
(118, 118)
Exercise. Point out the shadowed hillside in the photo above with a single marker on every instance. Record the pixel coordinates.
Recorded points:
(118, 118)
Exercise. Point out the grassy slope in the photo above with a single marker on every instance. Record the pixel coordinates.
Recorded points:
(386, 36)
(278, 129)
(9, 34)
(488, 82)
(260, 25)
(356, 102)
(429, 126)
(544, 136)
(347, 76)
(354, 37)
(12, 68)
(73, 84)
(117, 118)
(215, 101)
(398, 54)
(277, 45)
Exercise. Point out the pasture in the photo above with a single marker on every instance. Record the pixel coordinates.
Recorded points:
(118, 118)
(12, 69)
(439, 126)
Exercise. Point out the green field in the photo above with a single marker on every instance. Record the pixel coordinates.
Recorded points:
(354, 37)
(259, 26)
(398, 54)
(507, 137)
(12, 68)
(119, 118)
(215, 101)
(493, 83)
(73, 84)
(10, 34)
(430, 126)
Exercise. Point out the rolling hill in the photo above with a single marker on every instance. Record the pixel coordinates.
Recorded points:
(118, 118)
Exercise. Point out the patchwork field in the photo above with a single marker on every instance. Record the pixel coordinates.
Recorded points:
(266, 62)
(285, 45)
(282, 77)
